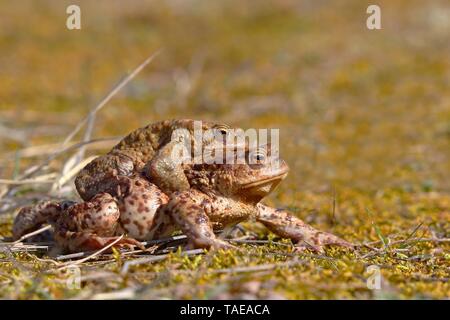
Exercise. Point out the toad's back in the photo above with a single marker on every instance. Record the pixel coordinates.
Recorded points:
(129, 156)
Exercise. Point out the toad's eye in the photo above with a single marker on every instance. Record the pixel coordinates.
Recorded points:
(258, 156)
(223, 129)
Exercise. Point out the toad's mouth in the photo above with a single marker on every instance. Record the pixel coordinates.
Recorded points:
(265, 181)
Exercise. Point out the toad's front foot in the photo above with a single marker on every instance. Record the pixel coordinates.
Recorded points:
(185, 211)
(289, 226)
(318, 240)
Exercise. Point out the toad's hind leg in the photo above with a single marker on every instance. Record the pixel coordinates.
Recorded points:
(32, 217)
(90, 225)
(289, 226)
(138, 208)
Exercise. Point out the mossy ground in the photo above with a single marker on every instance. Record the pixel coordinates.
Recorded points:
(364, 120)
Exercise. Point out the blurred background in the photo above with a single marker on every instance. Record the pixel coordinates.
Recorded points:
(364, 115)
(356, 107)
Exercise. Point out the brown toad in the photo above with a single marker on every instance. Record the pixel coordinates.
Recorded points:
(148, 152)
(220, 195)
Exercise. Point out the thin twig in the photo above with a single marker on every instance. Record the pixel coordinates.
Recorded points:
(151, 259)
(92, 255)
(257, 268)
(262, 267)
(258, 242)
(438, 240)
(127, 293)
(28, 235)
(25, 181)
(144, 243)
(46, 149)
(87, 135)
(71, 173)
(102, 103)
(32, 170)
(26, 248)
(110, 95)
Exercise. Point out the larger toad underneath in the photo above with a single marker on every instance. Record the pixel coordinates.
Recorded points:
(220, 195)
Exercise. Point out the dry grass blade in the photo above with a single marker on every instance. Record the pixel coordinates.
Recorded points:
(151, 259)
(259, 242)
(144, 243)
(87, 136)
(46, 149)
(28, 235)
(108, 97)
(102, 103)
(127, 293)
(412, 234)
(30, 171)
(27, 248)
(436, 240)
(250, 269)
(70, 264)
(72, 256)
(404, 241)
(261, 267)
(71, 173)
(26, 181)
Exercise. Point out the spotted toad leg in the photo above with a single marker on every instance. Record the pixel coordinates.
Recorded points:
(138, 208)
(287, 225)
(32, 217)
(185, 212)
(90, 225)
